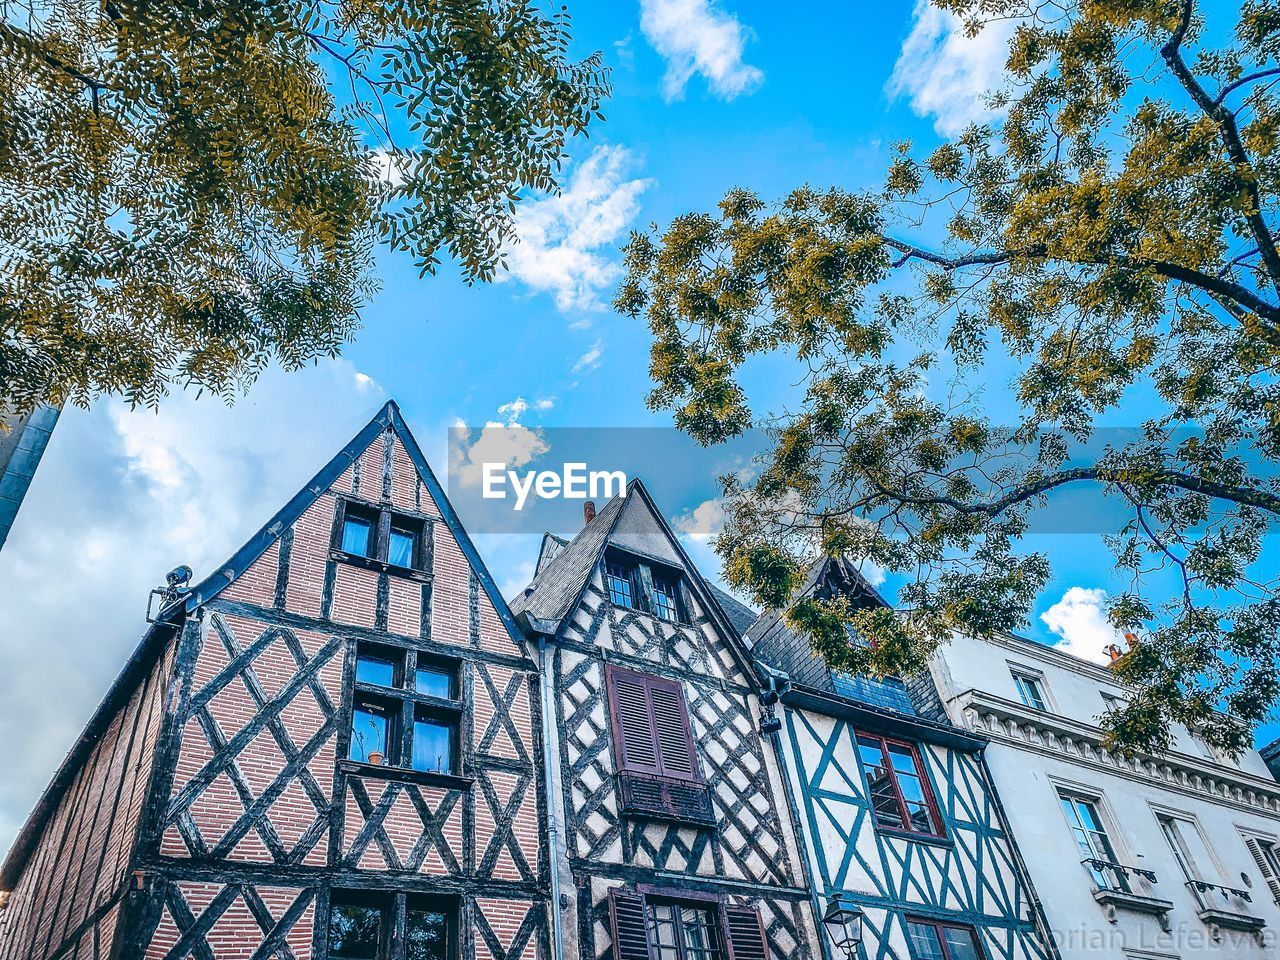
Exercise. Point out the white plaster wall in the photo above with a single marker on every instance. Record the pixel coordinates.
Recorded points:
(1028, 778)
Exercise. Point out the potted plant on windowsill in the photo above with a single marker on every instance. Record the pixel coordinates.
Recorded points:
(376, 758)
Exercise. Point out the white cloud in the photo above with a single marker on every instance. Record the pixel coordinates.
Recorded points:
(544, 404)
(945, 73)
(121, 497)
(514, 410)
(389, 167)
(568, 242)
(703, 522)
(1080, 620)
(591, 359)
(695, 36)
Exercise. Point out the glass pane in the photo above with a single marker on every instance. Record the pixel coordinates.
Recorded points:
(356, 534)
(435, 683)
(355, 931)
(884, 799)
(618, 581)
(662, 931)
(431, 746)
(426, 935)
(368, 733)
(960, 945)
(370, 669)
(400, 549)
(921, 818)
(924, 941)
(699, 934)
(664, 599)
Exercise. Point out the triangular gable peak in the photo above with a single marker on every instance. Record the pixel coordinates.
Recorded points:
(563, 597)
(288, 564)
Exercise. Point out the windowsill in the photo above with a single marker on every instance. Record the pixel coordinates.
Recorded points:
(928, 838)
(653, 797)
(1231, 920)
(429, 778)
(378, 566)
(1133, 902)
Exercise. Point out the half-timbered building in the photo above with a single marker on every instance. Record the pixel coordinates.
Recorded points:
(329, 748)
(899, 816)
(668, 809)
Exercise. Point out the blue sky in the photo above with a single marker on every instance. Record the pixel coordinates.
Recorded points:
(707, 97)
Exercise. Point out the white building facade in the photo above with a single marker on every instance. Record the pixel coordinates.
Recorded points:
(1146, 858)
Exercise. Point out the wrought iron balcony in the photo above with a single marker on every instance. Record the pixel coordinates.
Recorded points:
(1223, 906)
(1114, 890)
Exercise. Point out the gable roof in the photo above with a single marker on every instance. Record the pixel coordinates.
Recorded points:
(775, 643)
(557, 589)
(169, 619)
(738, 613)
(548, 551)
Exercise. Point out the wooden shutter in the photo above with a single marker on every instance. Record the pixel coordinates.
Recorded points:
(651, 725)
(629, 926)
(746, 933)
(671, 724)
(632, 725)
(1265, 865)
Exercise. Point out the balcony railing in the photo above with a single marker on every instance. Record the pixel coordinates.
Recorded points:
(1223, 906)
(1115, 876)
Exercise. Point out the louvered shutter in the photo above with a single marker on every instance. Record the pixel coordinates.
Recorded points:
(633, 727)
(630, 931)
(1266, 864)
(746, 933)
(671, 724)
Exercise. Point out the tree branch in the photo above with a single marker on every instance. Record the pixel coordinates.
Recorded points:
(1260, 75)
(1246, 496)
(1226, 121)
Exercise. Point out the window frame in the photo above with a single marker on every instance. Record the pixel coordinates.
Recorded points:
(396, 906)
(736, 926)
(926, 786)
(1024, 675)
(938, 926)
(680, 903)
(405, 705)
(384, 519)
(641, 575)
(1107, 829)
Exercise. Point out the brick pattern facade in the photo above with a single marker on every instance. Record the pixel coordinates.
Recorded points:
(67, 901)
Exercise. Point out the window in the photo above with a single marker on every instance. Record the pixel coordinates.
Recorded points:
(651, 725)
(405, 710)
(1092, 841)
(660, 925)
(1031, 690)
(619, 579)
(900, 795)
(681, 931)
(378, 535)
(942, 941)
(1188, 847)
(643, 586)
(1266, 853)
(1111, 702)
(665, 598)
(361, 927)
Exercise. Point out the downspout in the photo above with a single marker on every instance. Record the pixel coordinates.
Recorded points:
(1041, 919)
(778, 680)
(553, 796)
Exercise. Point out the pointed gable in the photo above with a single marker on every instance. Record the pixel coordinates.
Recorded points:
(288, 564)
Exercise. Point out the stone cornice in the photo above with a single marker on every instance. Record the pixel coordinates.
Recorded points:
(1006, 721)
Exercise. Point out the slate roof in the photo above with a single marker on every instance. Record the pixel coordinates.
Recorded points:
(775, 644)
(737, 612)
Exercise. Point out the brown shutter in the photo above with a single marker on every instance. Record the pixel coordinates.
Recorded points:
(630, 931)
(671, 724)
(632, 728)
(1264, 865)
(746, 933)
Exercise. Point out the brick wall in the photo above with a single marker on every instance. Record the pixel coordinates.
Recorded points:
(80, 867)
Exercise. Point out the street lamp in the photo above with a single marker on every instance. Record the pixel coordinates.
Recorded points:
(843, 921)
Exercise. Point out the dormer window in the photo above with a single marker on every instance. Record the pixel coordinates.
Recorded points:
(639, 585)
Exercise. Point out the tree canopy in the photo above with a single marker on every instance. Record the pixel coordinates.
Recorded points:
(1111, 242)
(190, 191)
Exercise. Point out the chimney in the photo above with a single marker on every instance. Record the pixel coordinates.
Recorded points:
(1130, 639)
(588, 512)
(1112, 651)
